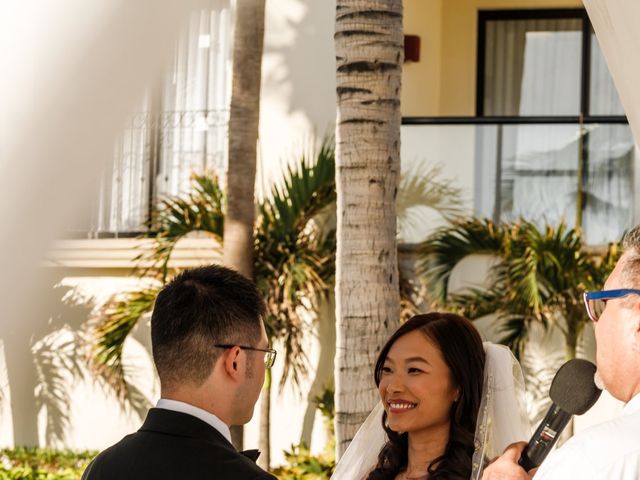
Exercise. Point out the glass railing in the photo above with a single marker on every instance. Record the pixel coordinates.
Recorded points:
(542, 169)
(580, 171)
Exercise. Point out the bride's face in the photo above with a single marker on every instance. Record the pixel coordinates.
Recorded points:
(416, 387)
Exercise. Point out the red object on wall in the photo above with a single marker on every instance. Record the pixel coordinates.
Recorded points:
(411, 48)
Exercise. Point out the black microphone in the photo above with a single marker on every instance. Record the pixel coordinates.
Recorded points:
(573, 392)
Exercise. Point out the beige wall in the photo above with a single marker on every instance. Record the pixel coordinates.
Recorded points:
(444, 81)
(421, 80)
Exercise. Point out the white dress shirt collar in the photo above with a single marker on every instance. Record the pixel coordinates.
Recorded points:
(197, 412)
(632, 405)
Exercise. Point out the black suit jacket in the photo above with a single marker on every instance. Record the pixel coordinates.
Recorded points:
(173, 446)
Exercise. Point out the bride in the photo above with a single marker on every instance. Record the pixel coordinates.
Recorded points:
(448, 403)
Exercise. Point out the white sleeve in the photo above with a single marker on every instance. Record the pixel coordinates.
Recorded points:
(568, 461)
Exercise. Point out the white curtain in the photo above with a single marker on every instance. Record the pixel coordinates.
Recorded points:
(539, 176)
(179, 128)
(533, 67)
(551, 73)
(609, 187)
(617, 27)
(196, 102)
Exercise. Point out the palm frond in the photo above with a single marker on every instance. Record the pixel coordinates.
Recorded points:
(603, 264)
(426, 189)
(293, 261)
(476, 303)
(293, 257)
(119, 317)
(199, 210)
(515, 330)
(523, 275)
(540, 275)
(306, 189)
(409, 293)
(443, 250)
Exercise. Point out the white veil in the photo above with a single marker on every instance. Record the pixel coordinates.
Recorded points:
(502, 420)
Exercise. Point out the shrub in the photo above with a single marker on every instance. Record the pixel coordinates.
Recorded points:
(304, 466)
(42, 464)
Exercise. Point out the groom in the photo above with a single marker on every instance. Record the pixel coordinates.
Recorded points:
(211, 350)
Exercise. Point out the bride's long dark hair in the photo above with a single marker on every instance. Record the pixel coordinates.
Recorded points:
(462, 350)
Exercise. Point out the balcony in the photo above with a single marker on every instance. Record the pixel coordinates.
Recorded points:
(544, 169)
(154, 158)
(540, 168)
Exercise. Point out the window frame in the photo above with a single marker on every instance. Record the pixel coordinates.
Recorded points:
(537, 14)
(583, 117)
(500, 121)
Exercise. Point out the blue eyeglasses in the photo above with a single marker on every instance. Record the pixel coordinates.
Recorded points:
(595, 302)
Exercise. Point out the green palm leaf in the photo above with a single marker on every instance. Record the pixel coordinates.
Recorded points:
(115, 323)
(199, 210)
(515, 330)
(475, 302)
(419, 189)
(293, 262)
(294, 255)
(539, 277)
(443, 250)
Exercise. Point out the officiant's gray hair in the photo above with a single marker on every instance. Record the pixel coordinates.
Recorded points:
(631, 246)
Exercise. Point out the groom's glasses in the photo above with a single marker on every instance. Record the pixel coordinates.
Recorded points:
(269, 357)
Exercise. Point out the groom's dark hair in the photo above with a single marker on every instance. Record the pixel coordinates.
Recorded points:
(198, 309)
(462, 350)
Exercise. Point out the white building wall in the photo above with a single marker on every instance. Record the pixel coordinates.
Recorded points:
(298, 100)
(298, 107)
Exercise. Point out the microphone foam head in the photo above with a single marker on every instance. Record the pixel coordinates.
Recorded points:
(573, 388)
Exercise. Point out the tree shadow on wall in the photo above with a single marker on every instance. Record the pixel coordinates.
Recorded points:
(61, 359)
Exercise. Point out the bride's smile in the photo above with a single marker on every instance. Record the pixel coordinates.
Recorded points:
(399, 406)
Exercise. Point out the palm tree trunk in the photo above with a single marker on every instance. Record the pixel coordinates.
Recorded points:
(243, 137)
(369, 52)
(265, 422)
(570, 345)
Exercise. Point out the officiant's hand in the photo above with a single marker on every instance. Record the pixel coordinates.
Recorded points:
(506, 467)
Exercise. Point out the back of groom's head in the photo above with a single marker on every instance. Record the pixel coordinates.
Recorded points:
(198, 309)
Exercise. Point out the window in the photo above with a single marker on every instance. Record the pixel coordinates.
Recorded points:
(180, 128)
(561, 147)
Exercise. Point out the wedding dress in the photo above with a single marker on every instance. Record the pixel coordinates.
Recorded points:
(502, 420)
